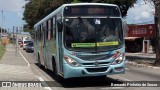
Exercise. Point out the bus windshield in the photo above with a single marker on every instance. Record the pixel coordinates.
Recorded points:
(93, 34)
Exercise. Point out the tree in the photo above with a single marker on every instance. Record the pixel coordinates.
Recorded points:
(124, 5)
(32, 12)
(157, 23)
(35, 10)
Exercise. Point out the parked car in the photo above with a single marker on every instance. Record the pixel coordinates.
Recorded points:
(30, 47)
(24, 44)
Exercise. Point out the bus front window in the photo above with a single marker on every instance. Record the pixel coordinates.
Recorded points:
(93, 34)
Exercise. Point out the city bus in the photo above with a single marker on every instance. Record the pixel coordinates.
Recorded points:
(81, 40)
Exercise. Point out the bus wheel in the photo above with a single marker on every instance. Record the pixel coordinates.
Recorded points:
(57, 77)
(39, 62)
(54, 66)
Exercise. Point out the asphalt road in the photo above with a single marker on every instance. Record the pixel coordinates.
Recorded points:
(133, 73)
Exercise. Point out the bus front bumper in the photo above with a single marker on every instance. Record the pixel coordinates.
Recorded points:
(70, 71)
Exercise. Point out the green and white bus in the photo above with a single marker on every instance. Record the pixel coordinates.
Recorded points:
(81, 40)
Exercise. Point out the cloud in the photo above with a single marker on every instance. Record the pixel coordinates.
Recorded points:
(141, 12)
(12, 5)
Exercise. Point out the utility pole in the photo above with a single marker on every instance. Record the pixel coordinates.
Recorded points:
(2, 23)
(16, 40)
(4, 31)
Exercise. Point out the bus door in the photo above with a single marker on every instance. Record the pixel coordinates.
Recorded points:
(60, 52)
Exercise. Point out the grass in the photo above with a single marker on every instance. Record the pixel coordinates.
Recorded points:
(2, 50)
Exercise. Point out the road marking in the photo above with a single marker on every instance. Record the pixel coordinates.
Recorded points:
(46, 86)
(127, 68)
(40, 78)
(24, 58)
(123, 78)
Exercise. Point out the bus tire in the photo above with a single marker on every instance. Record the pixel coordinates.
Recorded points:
(39, 62)
(53, 65)
(57, 77)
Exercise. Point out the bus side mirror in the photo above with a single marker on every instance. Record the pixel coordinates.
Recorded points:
(60, 26)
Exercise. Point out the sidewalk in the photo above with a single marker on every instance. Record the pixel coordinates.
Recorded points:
(141, 58)
(13, 67)
(12, 57)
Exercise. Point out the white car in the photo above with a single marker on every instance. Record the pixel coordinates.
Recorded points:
(24, 44)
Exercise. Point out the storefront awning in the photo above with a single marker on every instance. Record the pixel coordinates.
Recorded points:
(131, 38)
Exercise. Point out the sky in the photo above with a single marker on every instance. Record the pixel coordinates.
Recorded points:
(13, 13)
(141, 13)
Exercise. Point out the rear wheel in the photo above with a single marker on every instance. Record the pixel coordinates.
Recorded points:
(39, 62)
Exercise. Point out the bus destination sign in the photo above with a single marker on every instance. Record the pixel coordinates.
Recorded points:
(91, 10)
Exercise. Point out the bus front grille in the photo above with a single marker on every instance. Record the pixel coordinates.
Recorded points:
(102, 69)
(95, 57)
(93, 64)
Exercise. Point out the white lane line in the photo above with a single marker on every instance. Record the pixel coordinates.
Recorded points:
(40, 78)
(127, 68)
(24, 58)
(123, 78)
(46, 86)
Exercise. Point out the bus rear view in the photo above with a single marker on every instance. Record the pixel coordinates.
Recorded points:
(92, 40)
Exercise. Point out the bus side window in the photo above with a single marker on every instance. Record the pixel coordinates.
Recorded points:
(54, 28)
(59, 22)
(40, 33)
(48, 29)
(51, 29)
(35, 36)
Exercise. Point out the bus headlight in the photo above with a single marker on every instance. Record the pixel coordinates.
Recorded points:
(71, 61)
(119, 59)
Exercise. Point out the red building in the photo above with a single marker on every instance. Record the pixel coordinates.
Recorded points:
(137, 35)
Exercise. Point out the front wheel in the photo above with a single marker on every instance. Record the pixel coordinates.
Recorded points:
(57, 77)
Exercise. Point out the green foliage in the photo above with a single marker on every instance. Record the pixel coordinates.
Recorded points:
(76, 1)
(2, 50)
(124, 5)
(32, 12)
(31, 31)
(35, 10)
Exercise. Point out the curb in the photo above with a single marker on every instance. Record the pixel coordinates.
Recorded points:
(142, 65)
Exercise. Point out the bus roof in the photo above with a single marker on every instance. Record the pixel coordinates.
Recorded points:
(71, 4)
